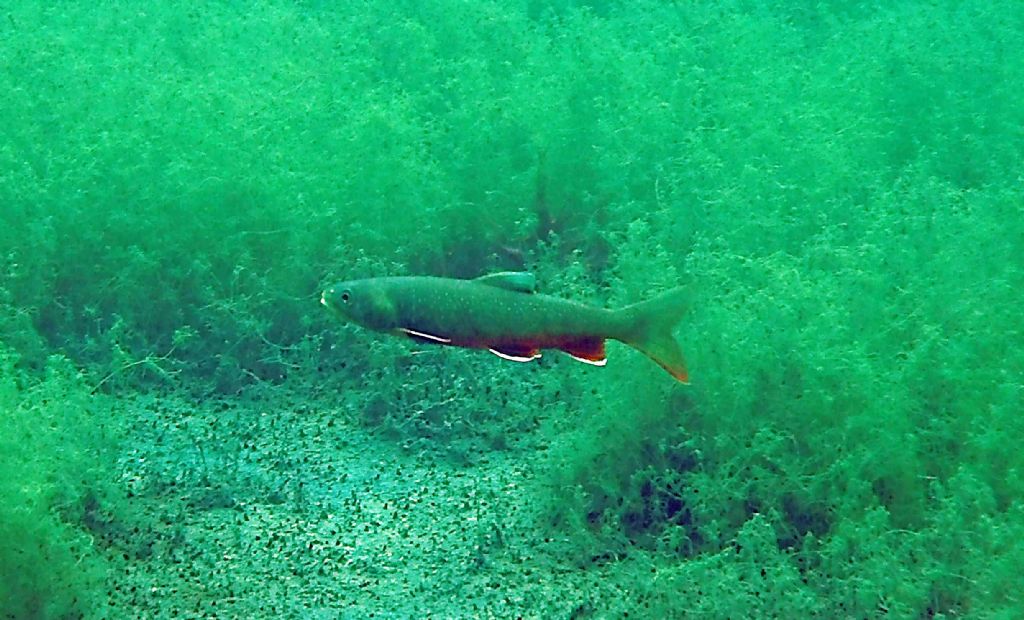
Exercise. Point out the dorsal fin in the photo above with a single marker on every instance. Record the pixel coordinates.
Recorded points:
(519, 281)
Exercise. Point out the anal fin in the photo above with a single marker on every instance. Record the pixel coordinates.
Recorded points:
(587, 350)
(516, 353)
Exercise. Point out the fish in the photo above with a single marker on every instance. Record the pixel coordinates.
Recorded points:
(503, 313)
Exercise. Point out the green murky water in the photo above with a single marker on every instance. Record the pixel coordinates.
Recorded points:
(185, 432)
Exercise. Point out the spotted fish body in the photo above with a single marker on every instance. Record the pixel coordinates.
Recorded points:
(502, 313)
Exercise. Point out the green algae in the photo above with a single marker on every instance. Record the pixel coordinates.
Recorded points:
(185, 430)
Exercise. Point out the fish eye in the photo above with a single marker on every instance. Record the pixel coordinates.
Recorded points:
(345, 296)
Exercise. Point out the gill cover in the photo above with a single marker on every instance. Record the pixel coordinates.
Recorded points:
(364, 302)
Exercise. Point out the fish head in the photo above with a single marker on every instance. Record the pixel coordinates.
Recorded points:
(363, 302)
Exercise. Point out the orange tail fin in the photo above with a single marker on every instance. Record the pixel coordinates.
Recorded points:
(647, 327)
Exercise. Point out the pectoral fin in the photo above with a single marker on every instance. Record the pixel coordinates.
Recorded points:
(423, 337)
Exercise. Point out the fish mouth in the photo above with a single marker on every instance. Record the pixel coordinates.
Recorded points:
(325, 295)
(326, 303)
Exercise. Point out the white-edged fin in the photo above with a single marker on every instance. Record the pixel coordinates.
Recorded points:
(515, 358)
(600, 362)
(415, 334)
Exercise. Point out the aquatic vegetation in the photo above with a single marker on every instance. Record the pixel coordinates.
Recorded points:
(836, 184)
(56, 444)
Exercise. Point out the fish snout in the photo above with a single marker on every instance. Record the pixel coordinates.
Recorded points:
(337, 298)
(334, 298)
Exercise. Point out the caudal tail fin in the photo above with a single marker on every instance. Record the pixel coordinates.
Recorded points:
(647, 327)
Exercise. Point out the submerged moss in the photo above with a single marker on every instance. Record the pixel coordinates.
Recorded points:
(836, 183)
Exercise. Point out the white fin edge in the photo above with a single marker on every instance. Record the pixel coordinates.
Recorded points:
(601, 362)
(514, 358)
(413, 332)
